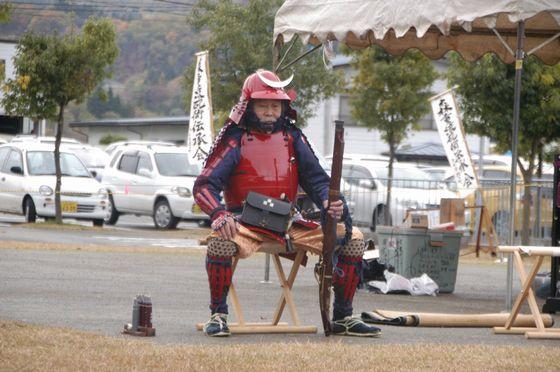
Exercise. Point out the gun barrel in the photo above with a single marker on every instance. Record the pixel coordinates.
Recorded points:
(329, 228)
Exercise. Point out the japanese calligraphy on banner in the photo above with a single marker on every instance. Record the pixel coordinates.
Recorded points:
(453, 139)
(199, 137)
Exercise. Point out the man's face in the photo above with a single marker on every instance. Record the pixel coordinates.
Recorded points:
(268, 110)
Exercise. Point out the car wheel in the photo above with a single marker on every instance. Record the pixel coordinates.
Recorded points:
(97, 222)
(163, 217)
(112, 213)
(378, 218)
(29, 211)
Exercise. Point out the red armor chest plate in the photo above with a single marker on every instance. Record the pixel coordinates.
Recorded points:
(267, 166)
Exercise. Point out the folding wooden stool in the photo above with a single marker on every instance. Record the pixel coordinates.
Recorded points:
(527, 292)
(286, 298)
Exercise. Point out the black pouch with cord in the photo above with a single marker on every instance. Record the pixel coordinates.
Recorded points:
(267, 213)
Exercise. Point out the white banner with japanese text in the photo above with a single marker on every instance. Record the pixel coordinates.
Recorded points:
(450, 128)
(199, 137)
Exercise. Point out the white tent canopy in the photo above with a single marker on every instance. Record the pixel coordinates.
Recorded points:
(433, 26)
(512, 29)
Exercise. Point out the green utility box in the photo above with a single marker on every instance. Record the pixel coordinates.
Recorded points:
(414, 251)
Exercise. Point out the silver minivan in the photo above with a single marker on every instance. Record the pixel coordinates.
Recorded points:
(153, 180)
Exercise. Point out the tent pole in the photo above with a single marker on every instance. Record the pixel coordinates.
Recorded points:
(278, 46)
(519, 55)
(276, 55)
(300, 57)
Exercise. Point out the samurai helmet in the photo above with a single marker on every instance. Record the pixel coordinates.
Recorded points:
(262, 84)
(265, 85)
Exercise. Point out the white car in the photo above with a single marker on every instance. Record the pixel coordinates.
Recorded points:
(153, 180)
(27, 183)
(411, 189)
(43, 139)
(94, 158)
(362, 157)
(113, 146)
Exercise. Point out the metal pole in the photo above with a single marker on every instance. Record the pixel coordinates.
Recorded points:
(266, 270)
(478, 194)
(519, 55)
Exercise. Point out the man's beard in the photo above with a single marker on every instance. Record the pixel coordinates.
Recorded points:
(253, 122)
(267, 127)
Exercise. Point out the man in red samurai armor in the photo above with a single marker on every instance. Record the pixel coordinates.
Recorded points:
(260, 149)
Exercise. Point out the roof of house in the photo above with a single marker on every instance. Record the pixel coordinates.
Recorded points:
(167, 120)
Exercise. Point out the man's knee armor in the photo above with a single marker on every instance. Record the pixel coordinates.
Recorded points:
(354, 248)
(221, 248)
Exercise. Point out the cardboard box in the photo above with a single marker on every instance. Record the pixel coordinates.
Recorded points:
(452, 210)
(416, 220)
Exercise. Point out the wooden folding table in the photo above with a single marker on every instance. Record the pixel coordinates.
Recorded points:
(527, 294)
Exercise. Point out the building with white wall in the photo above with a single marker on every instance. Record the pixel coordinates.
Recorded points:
(359, 139)
(170, 129)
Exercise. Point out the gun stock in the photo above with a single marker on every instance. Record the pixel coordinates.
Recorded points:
(329, 229)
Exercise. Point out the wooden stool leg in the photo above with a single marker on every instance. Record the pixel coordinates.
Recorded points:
(233, 296)
(286, 298)
(491, 233)
(286, 289)
(291, 278)
(479, 233)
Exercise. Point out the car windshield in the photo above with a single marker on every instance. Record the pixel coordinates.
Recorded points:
(92, 158)
(41, 163)
(404, 177)
(175, 164)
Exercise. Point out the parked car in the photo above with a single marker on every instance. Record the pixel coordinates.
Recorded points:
(113, 146)
(443, 175)
(43, 139)
(411, 189)
(361, 157)
(154, 180)
(94, 158)
(493, 159)
(437, 173)
(306, 205)
(27, 183)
